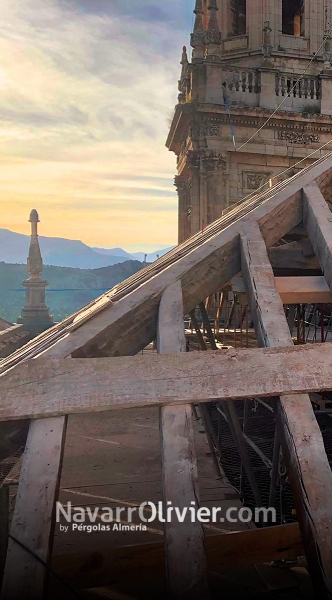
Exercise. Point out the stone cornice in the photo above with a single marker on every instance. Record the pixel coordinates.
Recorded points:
(256, 117)
(185, 114)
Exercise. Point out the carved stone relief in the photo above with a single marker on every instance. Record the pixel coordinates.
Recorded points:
(207, 160)
(298, 137)
(204, 127)
(253, 180)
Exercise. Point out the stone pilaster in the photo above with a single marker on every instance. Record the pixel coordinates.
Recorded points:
(214, 165)
(193, 163)
(183, 186)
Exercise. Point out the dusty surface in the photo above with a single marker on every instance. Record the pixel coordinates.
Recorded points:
(114, 460)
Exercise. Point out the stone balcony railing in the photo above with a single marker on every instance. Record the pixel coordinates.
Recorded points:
(242, 86)
(298, 93)
(306, 87)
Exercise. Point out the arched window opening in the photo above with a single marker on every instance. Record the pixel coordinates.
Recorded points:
(238, 17)
(293, 17)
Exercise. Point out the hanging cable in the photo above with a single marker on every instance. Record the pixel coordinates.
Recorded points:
(283, 172)
(287, 96)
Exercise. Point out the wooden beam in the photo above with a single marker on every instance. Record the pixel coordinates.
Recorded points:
(303, 290)
(317, 218)
(102, 384)
(207, 326)
(198, 330)
(308, 468)
(184, 542)
(311, 289)
(146, 561)
(4, 527)
(33, 519)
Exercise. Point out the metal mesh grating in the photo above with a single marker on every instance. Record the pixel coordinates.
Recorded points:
(260, 430)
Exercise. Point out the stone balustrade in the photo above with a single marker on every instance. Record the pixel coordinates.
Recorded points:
(244, 80)
(305, 88)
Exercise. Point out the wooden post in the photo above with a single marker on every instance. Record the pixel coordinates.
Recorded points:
(184, 542)
(4, 525)
(33, 521)
(34, 518)
(207, 326)
(317, 219)
(308, 469)
(198, 330)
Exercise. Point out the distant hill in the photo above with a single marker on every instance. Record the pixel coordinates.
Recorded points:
(61, 252)
(76, 287)
(114, 252)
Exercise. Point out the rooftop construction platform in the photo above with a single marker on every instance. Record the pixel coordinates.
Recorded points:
(87, 365)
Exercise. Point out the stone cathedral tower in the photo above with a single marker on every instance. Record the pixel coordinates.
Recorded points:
(247, 56)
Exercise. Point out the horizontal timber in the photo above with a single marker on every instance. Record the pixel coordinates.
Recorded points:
(303, 290)
(53, 387)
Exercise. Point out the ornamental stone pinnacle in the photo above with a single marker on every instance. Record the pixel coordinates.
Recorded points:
(184, 78)
(35, 314)
(197, 38)
(213, 34)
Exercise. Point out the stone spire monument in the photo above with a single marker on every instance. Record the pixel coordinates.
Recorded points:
(35, 314)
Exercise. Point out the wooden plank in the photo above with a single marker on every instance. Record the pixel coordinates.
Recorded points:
(198, 330)
(317, 218)
(311, 289)
(4, 525)
(184, 542)
(207, 326)
(104, 384)
(33, 519)
(308, 468)
(303, 290)
(240, 548)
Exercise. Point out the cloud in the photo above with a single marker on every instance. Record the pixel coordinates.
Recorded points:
(86, 88)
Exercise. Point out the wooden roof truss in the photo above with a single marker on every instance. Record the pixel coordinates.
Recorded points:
(39, 382)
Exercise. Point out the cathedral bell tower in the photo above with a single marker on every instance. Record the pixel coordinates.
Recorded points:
(252, 61)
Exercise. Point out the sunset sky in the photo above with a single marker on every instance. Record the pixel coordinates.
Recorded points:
(87, 88)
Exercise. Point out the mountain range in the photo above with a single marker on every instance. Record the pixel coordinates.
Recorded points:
(61, 252)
